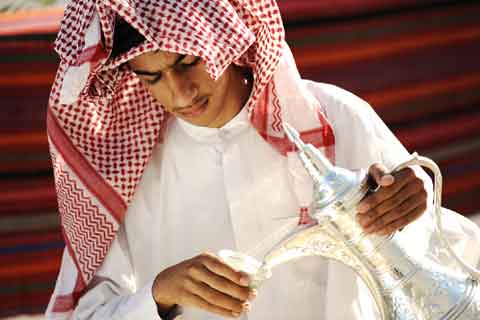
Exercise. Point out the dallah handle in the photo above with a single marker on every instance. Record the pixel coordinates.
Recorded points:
(437, 201)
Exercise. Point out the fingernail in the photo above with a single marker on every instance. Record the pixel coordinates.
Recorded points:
(235, 314)
(387, 179)
(384, 232)
(369, 229)
(244, 280)
(246, 306)
(252, 294)
(362, 220)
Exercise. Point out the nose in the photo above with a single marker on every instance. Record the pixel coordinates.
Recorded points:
(183, 89)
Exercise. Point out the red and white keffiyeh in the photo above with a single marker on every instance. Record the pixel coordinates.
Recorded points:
(103, 123)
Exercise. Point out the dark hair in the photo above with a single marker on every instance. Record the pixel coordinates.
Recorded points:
(125, 37)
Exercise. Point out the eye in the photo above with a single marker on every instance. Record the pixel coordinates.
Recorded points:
(189, 61)
(154, 79)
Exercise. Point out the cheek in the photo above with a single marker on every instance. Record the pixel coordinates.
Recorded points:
(220, 87)
(160, 95)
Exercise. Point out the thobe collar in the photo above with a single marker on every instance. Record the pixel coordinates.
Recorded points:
(216, 135)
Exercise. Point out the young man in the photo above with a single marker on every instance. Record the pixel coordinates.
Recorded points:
(167, 145)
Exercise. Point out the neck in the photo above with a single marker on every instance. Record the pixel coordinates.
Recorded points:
(239, 96)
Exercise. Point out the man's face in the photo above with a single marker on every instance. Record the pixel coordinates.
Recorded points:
(182, 85)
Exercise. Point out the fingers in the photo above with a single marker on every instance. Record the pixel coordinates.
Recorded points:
(206, 297)
(378, 224)
(411, 194)
(403, 221)
(204, 282)
(386, 192)
(394, 205)
(215, 265)
(380, 174)
(198, 302)
(220, 283)
(413, 187)
(216, 287)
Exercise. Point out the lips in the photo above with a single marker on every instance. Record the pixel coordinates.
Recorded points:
(195, 110)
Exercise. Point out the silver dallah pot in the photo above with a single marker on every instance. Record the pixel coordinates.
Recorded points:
(405, 286)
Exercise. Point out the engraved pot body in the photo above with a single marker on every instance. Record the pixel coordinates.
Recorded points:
(404, 286)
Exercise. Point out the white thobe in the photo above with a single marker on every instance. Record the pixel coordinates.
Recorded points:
(207, 189)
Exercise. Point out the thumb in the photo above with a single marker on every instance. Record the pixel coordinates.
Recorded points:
(381, 175)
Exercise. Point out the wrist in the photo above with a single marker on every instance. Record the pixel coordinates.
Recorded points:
(163, 305)
(171, 313)
(164, 309)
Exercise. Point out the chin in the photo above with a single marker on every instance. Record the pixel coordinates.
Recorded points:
(196, 122)
(205, 121)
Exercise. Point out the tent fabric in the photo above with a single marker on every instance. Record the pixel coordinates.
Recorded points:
(417, 66)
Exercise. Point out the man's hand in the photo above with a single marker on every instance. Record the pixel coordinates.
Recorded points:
(401, 199)
(204, 282)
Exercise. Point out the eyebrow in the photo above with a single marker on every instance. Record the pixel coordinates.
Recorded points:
(152, 73)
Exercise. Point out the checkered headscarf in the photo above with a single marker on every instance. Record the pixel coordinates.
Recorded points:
(103, 123)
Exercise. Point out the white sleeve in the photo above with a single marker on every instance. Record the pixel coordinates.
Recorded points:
(361, 137)
(112, 293)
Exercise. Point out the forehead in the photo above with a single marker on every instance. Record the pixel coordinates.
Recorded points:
(154, 60)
